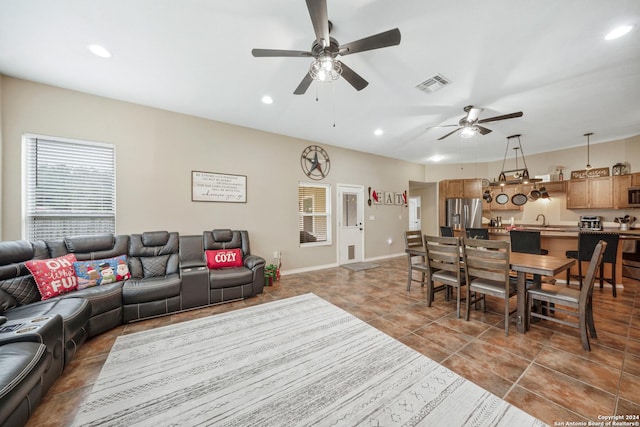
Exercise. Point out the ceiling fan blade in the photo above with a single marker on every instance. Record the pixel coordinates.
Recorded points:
(482, 130)
(441, 126)
(449, 134)
(506, 116)
(353, 78)
(377, 41)
(304, 85)
(473, 114)
(320, 20)
(260, 53)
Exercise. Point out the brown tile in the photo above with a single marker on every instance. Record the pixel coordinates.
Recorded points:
(446, 338)
(627, 408)
(408, 320)
(495, 359)
(59, 409)
(79, 373)
(427, 347)
(543, 409)
(515, 343)
(471, 327)
(479, 374)
(593, 373)
(631, 365)
(568, 392)
(629, 386)
(598, 354)
(388, 327)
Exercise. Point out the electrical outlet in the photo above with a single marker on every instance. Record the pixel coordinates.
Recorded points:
(275, 254)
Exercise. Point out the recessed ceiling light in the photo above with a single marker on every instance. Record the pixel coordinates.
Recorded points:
(267, 99)
(378, 132)
(436, 158)
(100, 51)
(618, 32)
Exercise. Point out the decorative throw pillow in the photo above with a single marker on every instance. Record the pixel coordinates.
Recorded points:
(101, 271)
(54, 276)
(224, 258)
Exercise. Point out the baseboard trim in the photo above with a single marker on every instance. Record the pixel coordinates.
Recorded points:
(325, 266)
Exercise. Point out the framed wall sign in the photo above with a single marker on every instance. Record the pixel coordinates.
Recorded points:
(591, 173)
(218, 187)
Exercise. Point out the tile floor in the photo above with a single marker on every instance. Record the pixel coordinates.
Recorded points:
(545, 371)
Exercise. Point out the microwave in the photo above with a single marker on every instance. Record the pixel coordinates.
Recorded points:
(634, 196)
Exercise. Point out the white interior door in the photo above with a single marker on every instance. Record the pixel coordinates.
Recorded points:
(414, 213)
(350, 223)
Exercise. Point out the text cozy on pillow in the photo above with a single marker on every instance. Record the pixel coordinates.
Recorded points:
(224, 258)
(54, 276)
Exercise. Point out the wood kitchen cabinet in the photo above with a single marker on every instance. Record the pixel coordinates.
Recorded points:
(635, 179)
(462, 188)
(621, 186)
(590, 193)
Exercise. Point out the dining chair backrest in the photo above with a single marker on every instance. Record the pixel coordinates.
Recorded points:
(594, 265)
(525, 241)
(477, 233)
(487, 259)
(413, 239)
(443, 253)
(446, 231)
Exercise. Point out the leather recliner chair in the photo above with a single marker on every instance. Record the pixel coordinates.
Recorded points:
(154, 287)
(235, 282)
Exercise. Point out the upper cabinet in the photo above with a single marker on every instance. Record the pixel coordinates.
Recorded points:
(635, 179)
(590, 193)
(461, 188)
(621, 186)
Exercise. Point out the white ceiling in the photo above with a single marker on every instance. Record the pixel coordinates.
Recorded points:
(547, 58)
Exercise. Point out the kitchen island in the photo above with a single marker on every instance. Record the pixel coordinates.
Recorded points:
(560, 239)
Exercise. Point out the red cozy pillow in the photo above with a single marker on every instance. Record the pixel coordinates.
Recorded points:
(224, 258)
(54, 276)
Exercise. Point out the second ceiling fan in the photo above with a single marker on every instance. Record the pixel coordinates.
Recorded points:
(470, 123)
(325, 49)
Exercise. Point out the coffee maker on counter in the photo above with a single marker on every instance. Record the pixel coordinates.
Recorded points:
(590, 223)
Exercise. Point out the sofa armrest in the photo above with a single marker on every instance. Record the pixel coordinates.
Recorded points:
(253, 261)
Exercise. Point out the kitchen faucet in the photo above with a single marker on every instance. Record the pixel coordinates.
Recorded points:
(544, 220)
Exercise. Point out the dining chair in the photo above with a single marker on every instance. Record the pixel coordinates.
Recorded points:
(580, 301)
(443, 261)
(587, 242)
(416, 256)
(477, 233)
(446, 231)
(486, 267)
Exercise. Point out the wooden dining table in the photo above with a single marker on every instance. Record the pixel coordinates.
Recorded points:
(543, 265)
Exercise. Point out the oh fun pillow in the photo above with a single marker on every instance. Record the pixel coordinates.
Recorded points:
(54, 276)
(224, 258)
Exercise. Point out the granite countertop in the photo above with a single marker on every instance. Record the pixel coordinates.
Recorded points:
(562, 231)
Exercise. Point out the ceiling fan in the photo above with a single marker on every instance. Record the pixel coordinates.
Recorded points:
(325, 49)
(470, 123)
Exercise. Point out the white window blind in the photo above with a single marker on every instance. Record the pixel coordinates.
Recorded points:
(70, 188)
(314, 208)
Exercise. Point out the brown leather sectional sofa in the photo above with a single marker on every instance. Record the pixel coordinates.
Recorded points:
(169, 274)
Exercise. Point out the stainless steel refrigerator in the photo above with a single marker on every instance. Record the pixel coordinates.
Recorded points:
(464, 213)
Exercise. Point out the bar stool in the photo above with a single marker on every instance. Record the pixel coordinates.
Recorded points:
(477, 233)
(587, 242)
(446, 231)
(528, 242)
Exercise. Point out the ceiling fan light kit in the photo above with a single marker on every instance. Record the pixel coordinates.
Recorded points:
(470, 124)
(325, 67)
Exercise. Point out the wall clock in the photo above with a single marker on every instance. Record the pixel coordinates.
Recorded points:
(315, 162)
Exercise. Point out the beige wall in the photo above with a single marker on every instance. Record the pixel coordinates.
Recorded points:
(156, 151)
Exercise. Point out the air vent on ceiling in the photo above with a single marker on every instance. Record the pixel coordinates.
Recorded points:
(433, 84)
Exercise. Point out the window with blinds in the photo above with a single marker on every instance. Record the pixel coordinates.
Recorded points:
(70, 188)
(314, 207)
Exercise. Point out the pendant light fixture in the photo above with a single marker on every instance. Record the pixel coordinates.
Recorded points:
(520, 175)
(588, 167)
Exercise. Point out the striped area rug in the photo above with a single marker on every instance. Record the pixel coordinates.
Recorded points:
(300, 361)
